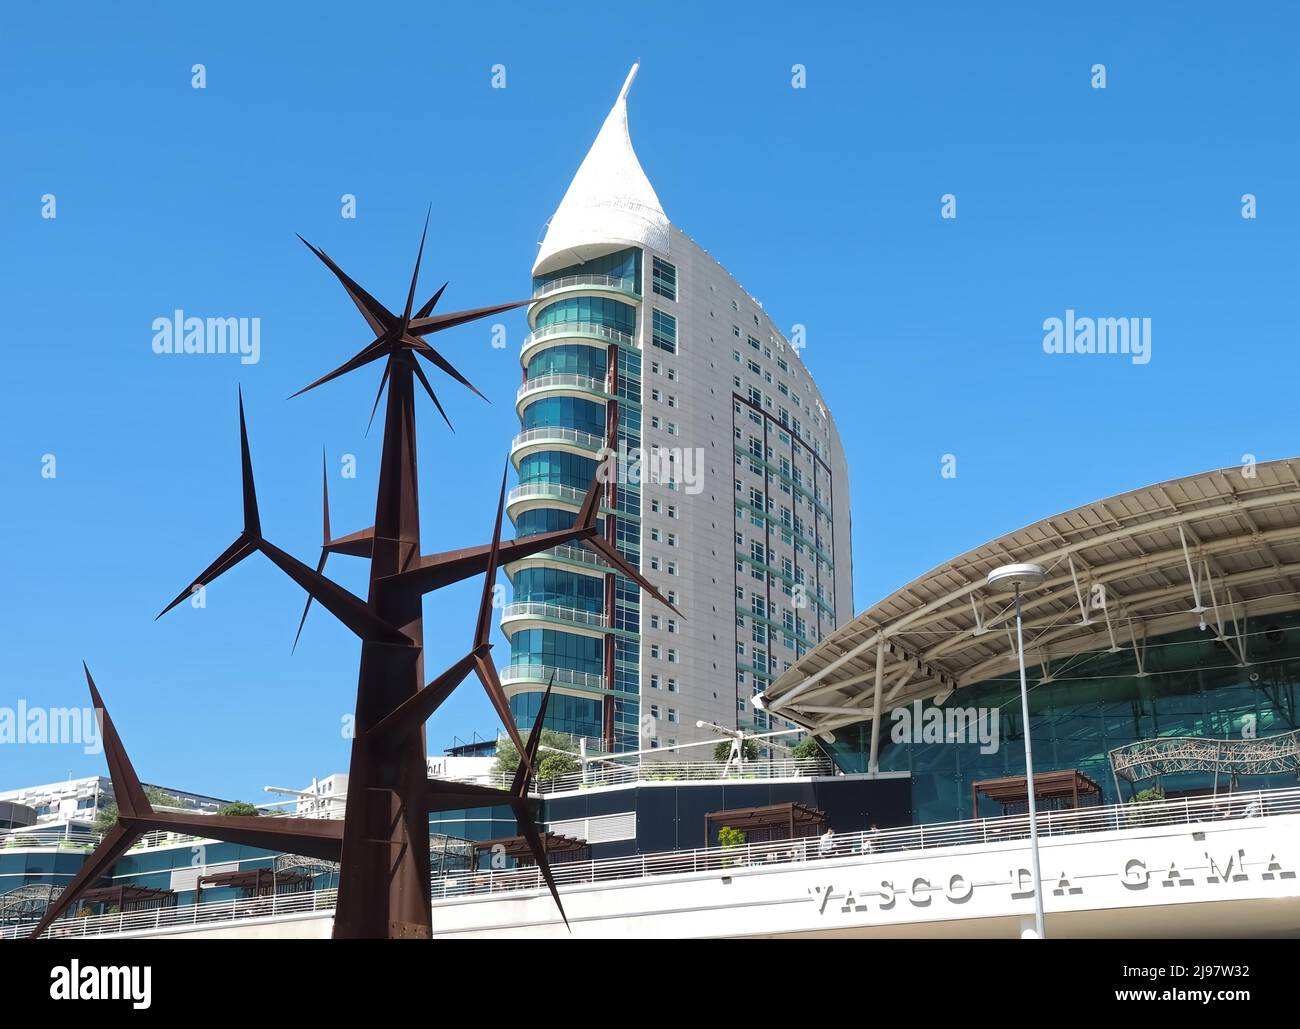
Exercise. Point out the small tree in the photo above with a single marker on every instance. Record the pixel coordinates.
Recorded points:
(105, 818)
(722, 752)
(729, 837)
(807, 749)
(550, 764)
(1151, 795)
(238, 807)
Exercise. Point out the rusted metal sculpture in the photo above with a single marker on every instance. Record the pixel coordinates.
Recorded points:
(382, 844)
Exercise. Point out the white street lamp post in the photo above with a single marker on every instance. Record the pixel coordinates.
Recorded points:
(1008, 578)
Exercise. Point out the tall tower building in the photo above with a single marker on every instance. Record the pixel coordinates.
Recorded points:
(740, 514)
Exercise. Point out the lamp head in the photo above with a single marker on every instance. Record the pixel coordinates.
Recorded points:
(1009, 578)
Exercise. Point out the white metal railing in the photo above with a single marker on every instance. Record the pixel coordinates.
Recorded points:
(601, 774)
(571, 553)
(206, 913)
(543, 673)
(561, 380)
(567, 281)
(558, 612)
(1188, 811)
(549, 490)
(587, 440)
(577, 329)
(1255, 804)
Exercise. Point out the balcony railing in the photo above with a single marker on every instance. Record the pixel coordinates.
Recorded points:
(546, 490)
(881, 841)
(543, 673)
(627, 286)
(857, 845)
(674, 771)
(561, 380)
(553, 612)
(558, 434)
(580, 329)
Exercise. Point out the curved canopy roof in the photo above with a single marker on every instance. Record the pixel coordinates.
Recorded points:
(1206, 549)
(610, 202)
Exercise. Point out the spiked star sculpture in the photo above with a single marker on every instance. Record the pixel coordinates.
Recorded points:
(382, 843)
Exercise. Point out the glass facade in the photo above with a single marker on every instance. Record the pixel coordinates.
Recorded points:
(566, 413)
(558, 648)
(552, 586)
(570, 359)
(623, 264)
(578, 716)
(613, 314)
(1192, 686)
(551, 648)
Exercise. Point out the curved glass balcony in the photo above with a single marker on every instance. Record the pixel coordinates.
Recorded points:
(540, 675)
(551, 491)
(550, 436)
(547, 334)
(563, 383)
(622, 288)
(533, 611)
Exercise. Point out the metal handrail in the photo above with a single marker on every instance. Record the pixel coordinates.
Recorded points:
(1186, 811)
(683, 771)
(550, 433)
(534, 609)
(623, 285)
(568, 552)
(552, 490)
(577, 329)
(561, 380)
(543, 673)
(939, 836)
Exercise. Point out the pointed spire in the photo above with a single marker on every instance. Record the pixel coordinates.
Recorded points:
(609, 201)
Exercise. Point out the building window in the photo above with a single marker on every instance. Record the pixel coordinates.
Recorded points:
(663, 278)
(672, 685)
(664, 331)
(654, 682)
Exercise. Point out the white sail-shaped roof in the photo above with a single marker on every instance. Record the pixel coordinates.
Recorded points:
(609, 201)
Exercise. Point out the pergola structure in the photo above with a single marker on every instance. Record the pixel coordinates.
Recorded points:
(130, 898)
(788, 821)
(1053, 791)
(1170, 755)
(259, 882)
(558, 849)
(1207, 550)
(382, 843)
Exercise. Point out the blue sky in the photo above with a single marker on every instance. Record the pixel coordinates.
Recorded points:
(824, 202)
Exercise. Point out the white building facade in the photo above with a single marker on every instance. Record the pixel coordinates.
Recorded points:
(739, 513)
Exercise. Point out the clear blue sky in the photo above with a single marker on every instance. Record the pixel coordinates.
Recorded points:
(823, 202)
